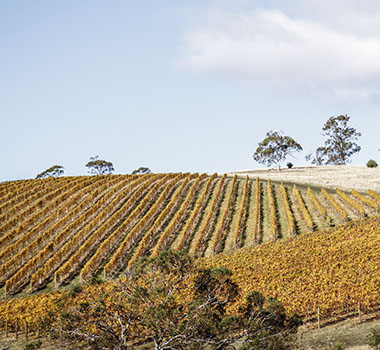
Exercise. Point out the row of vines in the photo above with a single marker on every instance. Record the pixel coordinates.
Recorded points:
(53, 230)
(317, 273)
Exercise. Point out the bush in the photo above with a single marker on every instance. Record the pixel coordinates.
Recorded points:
(372, 164)
(374, 338)
(338, 346)
(289, 165)
(144, 305)
(33, 345)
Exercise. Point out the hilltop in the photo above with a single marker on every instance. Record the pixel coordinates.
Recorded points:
(346, 177)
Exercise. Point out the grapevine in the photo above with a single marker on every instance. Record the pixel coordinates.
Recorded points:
(177, 220)
(134, 191)
(216, 240)
(366, 200)
(256, 213)
(72, 265)
(374, 195)
(356, 205)
(242, 215)
(192, 221)
(60, 234)
(321, 209)
(289, 213)
(273, 220)
(40, 220)
(154, 227)
(209, 218)
(334, 204)
(305, 212)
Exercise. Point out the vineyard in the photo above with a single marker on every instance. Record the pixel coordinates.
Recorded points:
(329, 273)
(55, 230)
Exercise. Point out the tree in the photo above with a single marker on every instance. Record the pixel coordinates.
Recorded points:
(275, 148)
(267, 325)
(54, 171)
(141, 170)
(165, 300)
(341, 141)
(98, 166)
(318, 157)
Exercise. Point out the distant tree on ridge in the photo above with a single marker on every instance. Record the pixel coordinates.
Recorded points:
(318, 157)
(340, 144)
(54, 171)
(141, 170)
(275, 148)
(98, 166)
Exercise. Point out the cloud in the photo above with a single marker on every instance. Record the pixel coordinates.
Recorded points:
(308, 51)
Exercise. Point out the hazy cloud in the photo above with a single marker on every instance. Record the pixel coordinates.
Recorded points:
(333, 47)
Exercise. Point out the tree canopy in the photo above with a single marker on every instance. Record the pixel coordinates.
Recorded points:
(318, 157)
(98, 166)
(141, 170)
(167, 301)
(275, 148)
(341, 141)
(54, 171)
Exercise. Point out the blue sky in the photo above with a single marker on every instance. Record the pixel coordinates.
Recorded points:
(181, 85)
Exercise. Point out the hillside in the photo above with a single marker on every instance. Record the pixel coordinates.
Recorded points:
(331, 271)
(346, 177)
(56, 229)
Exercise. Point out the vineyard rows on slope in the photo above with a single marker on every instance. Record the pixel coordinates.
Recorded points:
(53, 230)
(327, 273)
(322, 275)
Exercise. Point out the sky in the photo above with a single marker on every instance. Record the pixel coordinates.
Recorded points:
(181, 85)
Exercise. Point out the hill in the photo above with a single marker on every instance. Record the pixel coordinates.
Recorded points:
(54, 230)
(346, 177)
(331, 271)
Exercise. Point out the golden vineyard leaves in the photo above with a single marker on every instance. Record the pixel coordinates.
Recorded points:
(102, 225)
(332, 271)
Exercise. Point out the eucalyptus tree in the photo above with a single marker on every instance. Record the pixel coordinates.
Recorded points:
(275, 148)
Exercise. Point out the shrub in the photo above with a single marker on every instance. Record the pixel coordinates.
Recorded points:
(33, 345)
(144, 305)
(374, 338)
(372, 164)
(338, 346)
(289, 165)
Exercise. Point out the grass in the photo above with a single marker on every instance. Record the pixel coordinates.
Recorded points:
(346, 177)
(351, 334)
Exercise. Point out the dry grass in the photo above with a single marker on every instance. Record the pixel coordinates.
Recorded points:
(346, 177)
(20, 343)
(351, 334)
